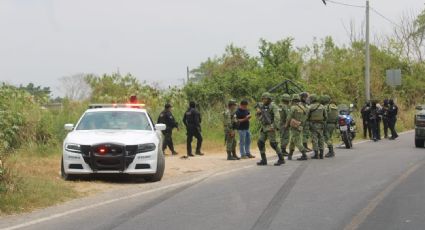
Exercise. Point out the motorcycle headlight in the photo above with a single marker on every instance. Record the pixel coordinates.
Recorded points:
(142, 148)
(75, 148)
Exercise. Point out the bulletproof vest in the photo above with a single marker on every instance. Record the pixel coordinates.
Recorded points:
(267, 115)
(316, 113)
(332, 110)
(190, 117)
(299, 112)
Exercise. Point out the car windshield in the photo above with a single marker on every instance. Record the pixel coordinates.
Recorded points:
(115, 120)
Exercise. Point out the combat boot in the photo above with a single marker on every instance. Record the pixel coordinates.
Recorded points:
(285, 154)
(321, 154)
(235, 156)
(316, 155)
(229, 156)
(331, 153)
(306, 147)
(291, 152)
(263, 160)
(303, 157)
(281, 160)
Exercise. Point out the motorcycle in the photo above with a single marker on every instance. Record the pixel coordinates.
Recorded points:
(347, 126)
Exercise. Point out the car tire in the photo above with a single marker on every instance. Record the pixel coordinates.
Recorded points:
(64, 175)
(159, 169)
(419, 143)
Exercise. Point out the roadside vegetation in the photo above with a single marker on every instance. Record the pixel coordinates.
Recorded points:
(31, 122)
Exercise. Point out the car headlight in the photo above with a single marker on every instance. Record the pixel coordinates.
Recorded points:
(142, 148)
(75, 148)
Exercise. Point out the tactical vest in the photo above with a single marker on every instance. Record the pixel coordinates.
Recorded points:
(267, 115)
(316, 113)
(332, 110)
(299, 113)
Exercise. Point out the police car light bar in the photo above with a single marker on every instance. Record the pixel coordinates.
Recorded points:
(128, 105)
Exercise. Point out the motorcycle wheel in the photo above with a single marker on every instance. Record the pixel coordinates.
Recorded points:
(347, 140)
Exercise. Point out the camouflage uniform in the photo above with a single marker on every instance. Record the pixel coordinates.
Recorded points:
(317, 117)
(299, 114)
(268, 116)
(307, 128)
(229, 123)
(331, 123)
(284, 130)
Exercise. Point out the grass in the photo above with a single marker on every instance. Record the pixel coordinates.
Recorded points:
(34, 180)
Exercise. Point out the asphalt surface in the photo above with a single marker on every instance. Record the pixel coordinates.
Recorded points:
(373, 186)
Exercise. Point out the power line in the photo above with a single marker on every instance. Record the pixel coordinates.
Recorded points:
(384, 17)
(345, 4)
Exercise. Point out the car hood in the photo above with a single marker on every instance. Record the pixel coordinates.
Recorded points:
(91, 137)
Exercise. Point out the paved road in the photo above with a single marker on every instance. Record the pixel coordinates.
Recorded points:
(374, 186)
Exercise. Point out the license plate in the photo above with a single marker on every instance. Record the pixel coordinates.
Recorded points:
(343, 128)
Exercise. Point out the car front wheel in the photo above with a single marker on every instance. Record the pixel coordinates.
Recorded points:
(64, 175)
(159, 169)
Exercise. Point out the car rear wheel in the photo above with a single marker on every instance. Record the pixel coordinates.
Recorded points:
(419, 143)
(64, 175)
(159, 169)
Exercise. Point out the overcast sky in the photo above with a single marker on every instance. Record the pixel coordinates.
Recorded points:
(43, 40)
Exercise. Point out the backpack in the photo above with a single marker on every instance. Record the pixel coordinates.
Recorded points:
(332, 113)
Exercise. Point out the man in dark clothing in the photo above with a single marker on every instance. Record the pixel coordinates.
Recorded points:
(373, 121)
(166, 117)
(192, 121)
(392, 118)
(365, 118)
(385, 117)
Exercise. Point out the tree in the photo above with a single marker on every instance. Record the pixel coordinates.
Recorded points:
(75, 87)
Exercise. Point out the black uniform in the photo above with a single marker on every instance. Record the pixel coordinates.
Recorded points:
(365, 118)
(385, 118)
(192, 121)
(392, 118)
(373, 121)
(167, 118)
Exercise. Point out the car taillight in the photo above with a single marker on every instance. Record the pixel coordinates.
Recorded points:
(341, 121)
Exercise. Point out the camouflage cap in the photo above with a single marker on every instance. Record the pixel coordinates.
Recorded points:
(286, 97)
(266, 95)
(296, 97)
(232, 102)
(325, 99)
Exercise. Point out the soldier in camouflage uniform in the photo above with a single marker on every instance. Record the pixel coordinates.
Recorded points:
(230, 124)
(317, 117)
(284, 131)
(268, 115)
(306, 131)
(296, 120)
(331, 123)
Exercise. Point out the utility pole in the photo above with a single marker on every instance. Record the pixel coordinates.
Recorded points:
(187, 74)
(367, 61)
(367, 51)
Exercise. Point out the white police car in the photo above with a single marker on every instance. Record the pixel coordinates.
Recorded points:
(114, 139)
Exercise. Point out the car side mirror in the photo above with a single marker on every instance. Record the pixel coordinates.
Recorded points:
(419, 107)
(69, 127)
(160, 127)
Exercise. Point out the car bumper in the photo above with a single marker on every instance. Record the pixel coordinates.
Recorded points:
(143, 163)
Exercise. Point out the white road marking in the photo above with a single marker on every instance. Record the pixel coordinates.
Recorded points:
(365, 212)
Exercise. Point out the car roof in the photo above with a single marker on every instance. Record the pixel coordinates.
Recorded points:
(116, 110)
